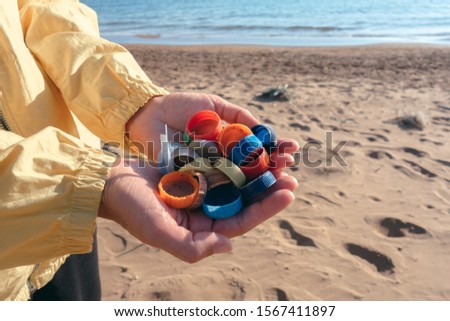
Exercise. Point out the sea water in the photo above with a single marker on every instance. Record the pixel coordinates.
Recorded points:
(274, 22)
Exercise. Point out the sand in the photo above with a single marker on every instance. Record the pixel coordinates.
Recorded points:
(375, 229)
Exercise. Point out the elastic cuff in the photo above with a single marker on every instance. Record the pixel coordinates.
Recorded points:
(139, 93)
(89, 184)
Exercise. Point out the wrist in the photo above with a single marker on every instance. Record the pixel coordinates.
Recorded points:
(139, 129)
(135, 122)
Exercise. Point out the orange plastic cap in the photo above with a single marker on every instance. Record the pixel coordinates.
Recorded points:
(178, 189)
(230, 136)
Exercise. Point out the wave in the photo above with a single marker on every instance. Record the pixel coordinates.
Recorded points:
(118, 22)
(368, 35)
(148, 35)
(234, 27)
(314, 28)
(267, 27)
(412, 35)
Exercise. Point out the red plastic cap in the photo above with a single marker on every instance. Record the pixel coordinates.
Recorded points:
(205, 124)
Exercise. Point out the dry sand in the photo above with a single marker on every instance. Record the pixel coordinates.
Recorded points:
(377, 229)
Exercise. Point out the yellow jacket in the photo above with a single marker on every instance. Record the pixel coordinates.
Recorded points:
(62, 88)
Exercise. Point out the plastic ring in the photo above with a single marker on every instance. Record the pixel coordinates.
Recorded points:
(178, 189)
(230, 136)
(205, 124)
(164, 161)
(231, 170)
(256, 164)
(222, 202)
(215, 178)
(244, 148)
(180, 157)
(266, 134)
(199, 164)
(207, 149)
(202, 190)
(252, 190)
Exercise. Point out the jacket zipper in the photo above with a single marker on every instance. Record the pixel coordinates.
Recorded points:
(31, 287)
(3, 124)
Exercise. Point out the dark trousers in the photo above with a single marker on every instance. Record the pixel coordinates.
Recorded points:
(78, 279)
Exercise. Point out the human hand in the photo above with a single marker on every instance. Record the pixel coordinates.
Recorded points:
(130, 198)
(174, 110)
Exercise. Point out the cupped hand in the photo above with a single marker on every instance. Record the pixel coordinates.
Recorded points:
(131, 196)
(131, 199)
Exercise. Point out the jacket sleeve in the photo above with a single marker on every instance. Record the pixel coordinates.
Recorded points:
(50, 187)
(100, 81)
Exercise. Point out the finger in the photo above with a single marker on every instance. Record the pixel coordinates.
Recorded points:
(279, 174)
(257, 213)
(232, 113)
(279, 197)
(278, 162)
(200, 222)
(284, 181)
(191, 247)
(287, 146)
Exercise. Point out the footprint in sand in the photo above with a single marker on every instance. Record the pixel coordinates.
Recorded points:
(372, 137)
(445, 121)
(268, 121)
(378, 154)
(345, 154)
(443, 162)
(374, 198)
(415, 152)
(314, 119)
(393, 227)
(311, 140)
(293, 234)
(276, 294)
(445, 108)
(300, 126)
(161, 296)
(382, 262)
(423, 140)
(352, 143)
(420, 169)
(405, 171)
(416, 167)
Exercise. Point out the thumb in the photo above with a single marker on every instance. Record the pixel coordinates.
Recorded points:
(193, 247)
